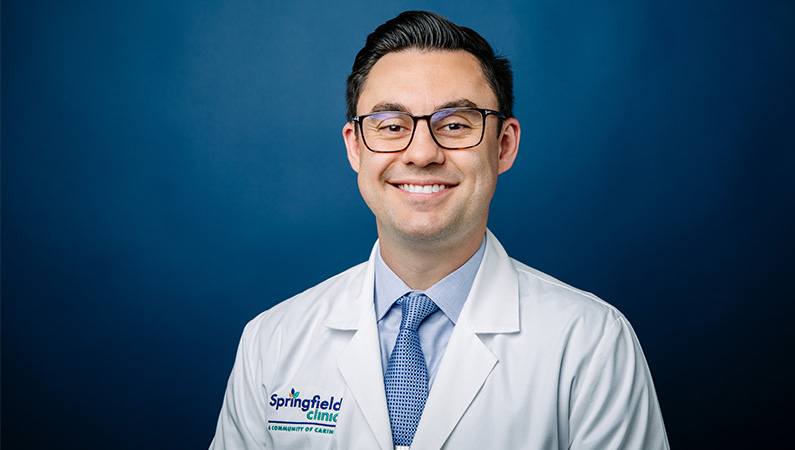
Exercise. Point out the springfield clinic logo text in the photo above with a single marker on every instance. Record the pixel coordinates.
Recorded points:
(315, 408)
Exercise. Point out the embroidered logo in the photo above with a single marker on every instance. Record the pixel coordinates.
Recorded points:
(321, 414)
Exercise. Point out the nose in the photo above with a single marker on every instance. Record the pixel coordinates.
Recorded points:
(423, 150)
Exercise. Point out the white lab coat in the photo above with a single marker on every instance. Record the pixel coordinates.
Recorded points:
(532, 364)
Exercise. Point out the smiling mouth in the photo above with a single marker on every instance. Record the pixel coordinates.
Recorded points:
(423, 189)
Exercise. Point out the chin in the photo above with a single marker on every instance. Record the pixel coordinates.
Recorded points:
(427, 236)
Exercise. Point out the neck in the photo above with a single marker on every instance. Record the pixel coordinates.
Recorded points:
(421, 265)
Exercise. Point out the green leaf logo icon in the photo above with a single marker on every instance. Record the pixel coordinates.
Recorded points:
(293, 393)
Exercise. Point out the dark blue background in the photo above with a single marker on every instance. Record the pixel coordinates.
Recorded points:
(171, 169)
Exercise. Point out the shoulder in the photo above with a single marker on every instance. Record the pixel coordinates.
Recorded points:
(542, 283)
(307, 306)
(572, 329)
(547, 301)
(292, 323)
(541, 297)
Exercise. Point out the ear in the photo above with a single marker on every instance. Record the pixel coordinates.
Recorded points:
(352, 144)
(509, 144)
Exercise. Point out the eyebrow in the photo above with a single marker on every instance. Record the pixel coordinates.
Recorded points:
(389, 106)
(459, 103)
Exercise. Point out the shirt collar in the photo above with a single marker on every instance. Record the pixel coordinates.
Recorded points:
(449, 294)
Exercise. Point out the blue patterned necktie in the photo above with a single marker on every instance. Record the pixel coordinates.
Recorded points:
(406, 378)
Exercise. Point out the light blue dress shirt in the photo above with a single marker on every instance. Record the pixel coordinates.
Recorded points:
(449, 294)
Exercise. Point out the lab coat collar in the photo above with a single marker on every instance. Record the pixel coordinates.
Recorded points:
(492, 305)
(355, 303)
(493, 302)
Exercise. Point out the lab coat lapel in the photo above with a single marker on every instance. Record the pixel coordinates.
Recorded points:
(492, 307)
(465, 367)
(360, 361)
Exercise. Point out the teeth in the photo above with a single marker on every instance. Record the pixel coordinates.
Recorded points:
(424, 189)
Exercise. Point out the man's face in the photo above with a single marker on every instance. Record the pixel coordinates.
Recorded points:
(419, 83)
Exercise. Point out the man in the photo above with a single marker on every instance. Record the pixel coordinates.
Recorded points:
(440, 340)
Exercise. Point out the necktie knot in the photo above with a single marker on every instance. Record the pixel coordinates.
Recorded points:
(416, 307)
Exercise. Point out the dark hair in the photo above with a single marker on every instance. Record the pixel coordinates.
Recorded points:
(428, 31)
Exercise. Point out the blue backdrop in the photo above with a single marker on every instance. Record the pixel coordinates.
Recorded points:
(171, 169)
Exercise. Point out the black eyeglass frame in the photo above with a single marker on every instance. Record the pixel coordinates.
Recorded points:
(484, 112)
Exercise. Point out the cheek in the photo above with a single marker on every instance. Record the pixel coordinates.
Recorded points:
(369, 180)
(484, 167)
(373, 167)
(485, 179)
(366, 190)
(365, 184)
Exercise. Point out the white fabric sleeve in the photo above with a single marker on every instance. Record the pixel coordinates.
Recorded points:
(616, 405)
(240, 423)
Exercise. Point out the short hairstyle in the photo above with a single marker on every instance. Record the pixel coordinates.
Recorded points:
(423, 30)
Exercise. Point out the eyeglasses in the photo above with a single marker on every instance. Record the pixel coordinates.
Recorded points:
(451, 128)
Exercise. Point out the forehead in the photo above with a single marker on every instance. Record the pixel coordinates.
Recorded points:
(422, 81)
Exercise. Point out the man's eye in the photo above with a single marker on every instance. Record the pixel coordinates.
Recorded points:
(454, 127)
(392, 128)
